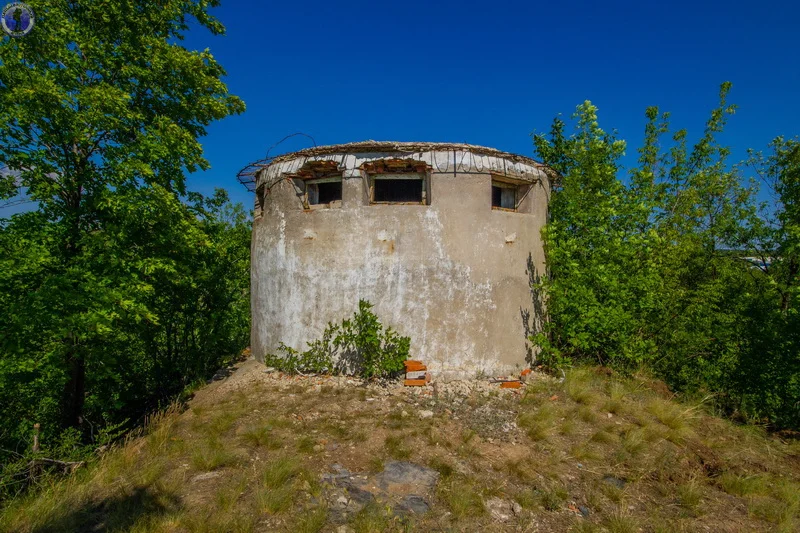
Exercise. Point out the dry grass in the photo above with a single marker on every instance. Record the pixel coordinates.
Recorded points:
(252, 461)
(620, 522)
(690, 495)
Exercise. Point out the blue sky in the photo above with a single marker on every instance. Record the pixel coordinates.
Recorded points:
(490, 73)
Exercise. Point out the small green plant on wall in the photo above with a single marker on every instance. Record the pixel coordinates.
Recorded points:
(358, 346)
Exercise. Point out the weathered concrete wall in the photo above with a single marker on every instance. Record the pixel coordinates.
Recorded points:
(451, 275)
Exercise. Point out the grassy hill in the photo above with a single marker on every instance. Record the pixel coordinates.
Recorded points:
(260, 451)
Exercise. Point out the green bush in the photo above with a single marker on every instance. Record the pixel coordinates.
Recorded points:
(358, 346)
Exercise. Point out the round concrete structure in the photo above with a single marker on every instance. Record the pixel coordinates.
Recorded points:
(441, 238)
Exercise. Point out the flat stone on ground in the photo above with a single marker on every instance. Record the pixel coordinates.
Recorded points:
(404, 477)
(403, 485)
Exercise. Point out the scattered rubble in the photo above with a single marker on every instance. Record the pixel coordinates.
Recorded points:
(428, 389)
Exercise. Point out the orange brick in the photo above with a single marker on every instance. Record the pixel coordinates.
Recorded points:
(414, 382)
(525, 372)
(415, 366)
(510, 385)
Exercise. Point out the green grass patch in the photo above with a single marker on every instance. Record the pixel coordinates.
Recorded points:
(579, 386)
(211, 454)
(278, 485)
(261, 436)
(462, 497)
(553, 499)
(372, 519)
(311, 521)
(739, 485)
(539, 423)
(305, 444)
(396, 447)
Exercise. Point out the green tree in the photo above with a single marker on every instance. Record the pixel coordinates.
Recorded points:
(700, 209)
(168, 287)
(768, 373)
(101, 109)
(656, 272)
(601, 283)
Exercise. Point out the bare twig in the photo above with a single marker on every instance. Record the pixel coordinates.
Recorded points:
(66, 465)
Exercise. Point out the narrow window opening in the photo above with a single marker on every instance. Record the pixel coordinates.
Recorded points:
(259, 201)
(496, 196)
(504, 195)
(324, 193)
(396, 189)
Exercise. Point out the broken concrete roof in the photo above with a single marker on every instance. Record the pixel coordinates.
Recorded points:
(247, 176)
(408, 147)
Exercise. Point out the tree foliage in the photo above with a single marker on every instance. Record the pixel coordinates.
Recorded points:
(121, 287)
(676, 268)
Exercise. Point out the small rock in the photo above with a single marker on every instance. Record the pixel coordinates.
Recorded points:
(404, 473)
(413, 504)
(340, 470)
(425, 414)
(345, 529)
(516, 508)
(609, 415)
(358, 497)
(207, 475)
(318, 447)
(615, 481)
(500, 510)
(584, 510)
(269, 370)
(404, 414)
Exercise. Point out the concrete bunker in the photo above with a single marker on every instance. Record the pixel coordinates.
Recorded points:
(439, 237)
